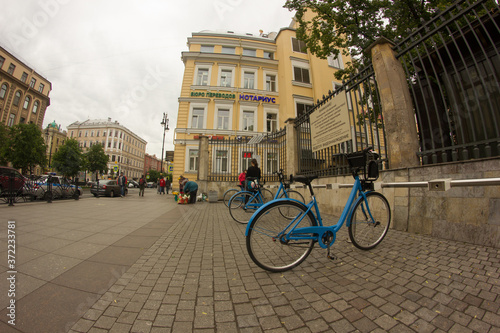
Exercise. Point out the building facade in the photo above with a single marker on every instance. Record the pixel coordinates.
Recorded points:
(126, 150)
(241, 85)
(24, 93)
(54, 138)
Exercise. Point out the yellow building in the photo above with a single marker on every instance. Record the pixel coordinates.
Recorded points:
(54, 138)
(126, 150)
(24, 93)
(243, 85)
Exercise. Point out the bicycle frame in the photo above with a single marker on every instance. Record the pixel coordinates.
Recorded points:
(319, 232)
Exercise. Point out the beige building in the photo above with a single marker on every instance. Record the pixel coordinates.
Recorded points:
(24, 93)
(242, 85)
(126, 150)
(54, 138)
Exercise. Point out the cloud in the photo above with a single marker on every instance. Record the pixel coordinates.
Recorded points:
(122, 59)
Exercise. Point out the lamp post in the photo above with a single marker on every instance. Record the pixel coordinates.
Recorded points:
(51, 142)
(164, 122)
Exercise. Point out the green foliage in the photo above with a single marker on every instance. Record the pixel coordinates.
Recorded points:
(69, 159)
(25, 147)
(96, 159)
(350, 26)
(154, 175)
(4, 135)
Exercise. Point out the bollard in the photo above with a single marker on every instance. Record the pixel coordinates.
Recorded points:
(77, 197)
(49, 189)
(11, 193)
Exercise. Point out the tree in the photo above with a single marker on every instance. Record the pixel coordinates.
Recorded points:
(69, 160)
(154, 175)
(25, 147)
(4, 136)
(96, 160)
(350, 26)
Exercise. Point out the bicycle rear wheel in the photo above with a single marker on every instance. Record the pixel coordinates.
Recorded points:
(242, 206)
(366, 232)
(228, 194)
(266, 242)
(266, 195)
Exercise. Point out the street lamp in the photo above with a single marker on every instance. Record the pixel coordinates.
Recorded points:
(51, 142)
(164, 122)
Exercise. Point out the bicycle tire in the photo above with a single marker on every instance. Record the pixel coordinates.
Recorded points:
(242, 206)
(267, 195)
(364, 233)
(263, 241)
(228, 194)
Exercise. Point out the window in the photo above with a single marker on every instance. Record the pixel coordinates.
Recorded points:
(11, 69)
(193, 160)
(202, 77)
(249, 52)
(35, 106)
(86, 134)
(272, 162)
(301, 74)
(207, 49)
(3, 91)
(2, 60)
(116, 134)
(109, 144)
(24, 77)
(226, 78)
(197, 119)
(228, 50)
(26, 102)
(97, 134)
(80, 134)
(120, 145)
(10, 122)
(268, 55)
(271, 122)
(223, 119)
(17, 98)
(248, 80)
(113, 158)
(271, 82)
(302, 108)
(22, 120)
(92, 133)
(121, 133)
(114, 144)
(41, 87)
(246, 158)
(335, 61)
(298, 45)
(71, 134)
(248, 121)
(33, 82)
(221, 161)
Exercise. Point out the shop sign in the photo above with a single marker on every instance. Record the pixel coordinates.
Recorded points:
(211, 94)
(255, 98)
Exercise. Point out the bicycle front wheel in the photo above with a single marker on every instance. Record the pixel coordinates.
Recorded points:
(228, 194)
(242, 206)
(292, 194)
(370, 221)
(267, 242)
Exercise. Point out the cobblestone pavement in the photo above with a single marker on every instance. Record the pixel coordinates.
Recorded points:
(197, 277)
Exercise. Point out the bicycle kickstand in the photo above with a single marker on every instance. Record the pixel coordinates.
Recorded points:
(330, 256)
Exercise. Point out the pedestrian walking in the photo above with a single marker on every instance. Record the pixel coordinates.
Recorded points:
(122, 182)
(168, 183)
(142, 185)
(162, 184)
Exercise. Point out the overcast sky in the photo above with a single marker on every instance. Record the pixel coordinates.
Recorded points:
(122, 58)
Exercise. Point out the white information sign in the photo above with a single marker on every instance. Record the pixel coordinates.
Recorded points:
(330, 123)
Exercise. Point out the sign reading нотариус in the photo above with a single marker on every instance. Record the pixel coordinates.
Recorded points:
(330, 123)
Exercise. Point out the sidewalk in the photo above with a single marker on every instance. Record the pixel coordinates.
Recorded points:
(149, 265)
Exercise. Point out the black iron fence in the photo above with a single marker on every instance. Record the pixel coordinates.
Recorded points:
(452, 64)
(453, 68)
(228, 157)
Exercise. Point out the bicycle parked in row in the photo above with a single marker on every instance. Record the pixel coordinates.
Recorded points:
(282, 233)
(244, 203)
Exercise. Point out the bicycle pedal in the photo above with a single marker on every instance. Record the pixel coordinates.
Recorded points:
(332, 257)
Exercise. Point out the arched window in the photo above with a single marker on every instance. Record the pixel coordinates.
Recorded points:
(3, 90)
(17, 98)
(35, 106)
(26, 102)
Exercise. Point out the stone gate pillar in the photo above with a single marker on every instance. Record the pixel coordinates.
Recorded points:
(292, 153)
(397, 107)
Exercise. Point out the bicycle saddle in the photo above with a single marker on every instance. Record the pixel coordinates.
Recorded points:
(304, 179)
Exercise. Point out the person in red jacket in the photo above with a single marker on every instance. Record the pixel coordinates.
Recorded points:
(242, 178)
(162, 185)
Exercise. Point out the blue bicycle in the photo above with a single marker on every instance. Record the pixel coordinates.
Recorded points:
(243, 204)
(282, 233)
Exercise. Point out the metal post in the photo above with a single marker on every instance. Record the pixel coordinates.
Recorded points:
(11, 189)
(164, 122)
(49, 189)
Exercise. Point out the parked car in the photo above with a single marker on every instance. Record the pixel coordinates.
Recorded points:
(61, 187)
(133, 183)
(150, 185)
(5, 184)
(108, 188)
